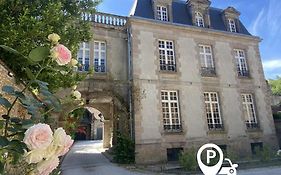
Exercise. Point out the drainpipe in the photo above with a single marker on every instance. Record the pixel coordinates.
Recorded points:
(130, 78)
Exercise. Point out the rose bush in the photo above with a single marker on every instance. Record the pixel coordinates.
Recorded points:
(27, 144)
(38, 136)
(46, 155)
(61, 54)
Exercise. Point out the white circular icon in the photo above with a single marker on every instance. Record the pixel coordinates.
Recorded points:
(211, 154)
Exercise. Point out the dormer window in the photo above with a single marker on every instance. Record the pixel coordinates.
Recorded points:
(162, 13)
(199, 19)
(232, 26)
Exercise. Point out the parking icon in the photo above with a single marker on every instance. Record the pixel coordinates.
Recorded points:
(213, 153)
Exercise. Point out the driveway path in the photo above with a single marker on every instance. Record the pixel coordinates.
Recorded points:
(85, 158)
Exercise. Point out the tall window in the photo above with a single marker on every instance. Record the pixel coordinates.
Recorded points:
(170, 110)
(99, 56)
(232, 26)
(242, 68)
(213, 110)
(84, 57)
(249, 111)
(199, 19)
(207, 62)
(162, 13)
(166, 54)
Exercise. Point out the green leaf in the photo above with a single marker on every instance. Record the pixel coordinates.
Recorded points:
(9, 49)
(29, 74)
(1, 168)
(5, 103)
(39, 54)
(3, 141)
(19, 94)
(8, 89)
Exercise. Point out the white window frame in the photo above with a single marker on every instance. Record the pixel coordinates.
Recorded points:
(232, 25)
(199, 20)
(99, 51)
(171, 108)
(84, 59)
(241, 62)
(167, 55)
(162, 13)
(204, 56)
(249, 111)
(212, 104)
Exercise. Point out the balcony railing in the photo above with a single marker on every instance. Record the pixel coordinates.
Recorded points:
(243, 73)
(173, 128)
(107, 19)
(99, 68)
(84, 68)
(217, 126)
(252, 125)
(208, 71)
(168, 67)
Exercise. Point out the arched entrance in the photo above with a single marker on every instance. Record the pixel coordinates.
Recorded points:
(91, 125)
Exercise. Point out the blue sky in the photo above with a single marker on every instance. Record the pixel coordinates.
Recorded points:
(261, 17)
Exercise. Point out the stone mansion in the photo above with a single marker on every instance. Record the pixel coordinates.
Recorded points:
(189, 73)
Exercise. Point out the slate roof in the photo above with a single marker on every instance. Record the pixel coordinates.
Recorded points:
(181, 14)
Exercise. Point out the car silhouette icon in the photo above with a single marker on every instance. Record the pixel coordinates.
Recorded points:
(228, 168)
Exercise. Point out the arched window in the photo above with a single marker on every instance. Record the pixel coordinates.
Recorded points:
(199, 19)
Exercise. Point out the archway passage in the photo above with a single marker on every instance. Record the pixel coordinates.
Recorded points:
(91, 125)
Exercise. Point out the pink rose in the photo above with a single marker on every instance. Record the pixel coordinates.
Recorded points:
(61, 54)
(45, 167)
(62, 142)
(38, 136)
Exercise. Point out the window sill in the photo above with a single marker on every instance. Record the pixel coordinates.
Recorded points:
(244, 77)
(168, 72)
(209, 76)
(253, 130)
(173, 132)
(216, 131)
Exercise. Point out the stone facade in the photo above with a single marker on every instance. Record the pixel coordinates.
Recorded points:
(134, 80)
(6, 78)
(152, 140)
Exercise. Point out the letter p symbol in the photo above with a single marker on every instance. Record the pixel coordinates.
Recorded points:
(210, 155)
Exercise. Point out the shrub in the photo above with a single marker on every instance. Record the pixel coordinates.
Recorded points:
(124, 151)
(188, 160)
(264, 154)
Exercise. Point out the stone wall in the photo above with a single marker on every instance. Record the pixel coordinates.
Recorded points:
(151, 139)
(6, 78)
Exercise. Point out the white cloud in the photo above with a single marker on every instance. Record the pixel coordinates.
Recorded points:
(272, 64)
(257, 23)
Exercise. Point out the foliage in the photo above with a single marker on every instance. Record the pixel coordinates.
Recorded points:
(73, 120)
(264, 154)
(124, 150)
(276, 85)
(188, 160)
(25, 26)
(277, 115)
(38, 102)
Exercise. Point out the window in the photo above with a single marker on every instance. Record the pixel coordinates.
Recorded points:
(199, 19)
(166, 54)
(170, 110)
(213, 110)
(162, 13)
(173, 154)
(231, 24)
(99, 56)
(207, 62)
(256, 147)
(84, 57)
(242, 68)
(249, 111)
